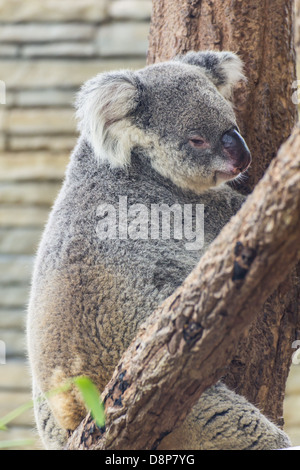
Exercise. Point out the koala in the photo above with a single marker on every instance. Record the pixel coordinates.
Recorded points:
(155, 144)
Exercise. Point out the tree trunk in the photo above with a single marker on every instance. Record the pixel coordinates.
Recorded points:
(262, 33)
(183, 347)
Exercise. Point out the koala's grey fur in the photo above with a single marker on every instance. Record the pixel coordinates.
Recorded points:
(89, 296)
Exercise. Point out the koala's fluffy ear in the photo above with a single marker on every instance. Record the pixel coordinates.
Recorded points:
(224, 69)
(103, 106)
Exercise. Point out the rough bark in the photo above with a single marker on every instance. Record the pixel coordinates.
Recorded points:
(262, 33)
(184, 346)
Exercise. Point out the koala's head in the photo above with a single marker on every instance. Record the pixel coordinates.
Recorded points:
(178, 114)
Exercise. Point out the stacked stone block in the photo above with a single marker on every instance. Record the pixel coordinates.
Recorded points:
(47, 50)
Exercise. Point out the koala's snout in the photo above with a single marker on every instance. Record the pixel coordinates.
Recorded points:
(237, 150)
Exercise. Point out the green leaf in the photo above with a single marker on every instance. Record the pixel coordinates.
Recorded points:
(91, 397)
(16, 443)
(13, 414)
(26, 406)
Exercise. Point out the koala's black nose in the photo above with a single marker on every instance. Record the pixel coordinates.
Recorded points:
(236, 149)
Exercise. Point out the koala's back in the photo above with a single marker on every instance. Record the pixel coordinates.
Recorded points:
(90, 295)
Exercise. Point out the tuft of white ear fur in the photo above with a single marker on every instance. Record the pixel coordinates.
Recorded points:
(103, 106)
(231, 67)
(224, 69)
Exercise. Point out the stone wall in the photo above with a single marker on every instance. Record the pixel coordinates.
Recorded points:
(297, 25)
(47, 50)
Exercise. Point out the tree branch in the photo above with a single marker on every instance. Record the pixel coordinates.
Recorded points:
(184, 346)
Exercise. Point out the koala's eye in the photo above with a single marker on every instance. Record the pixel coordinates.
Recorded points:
(198, 142)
